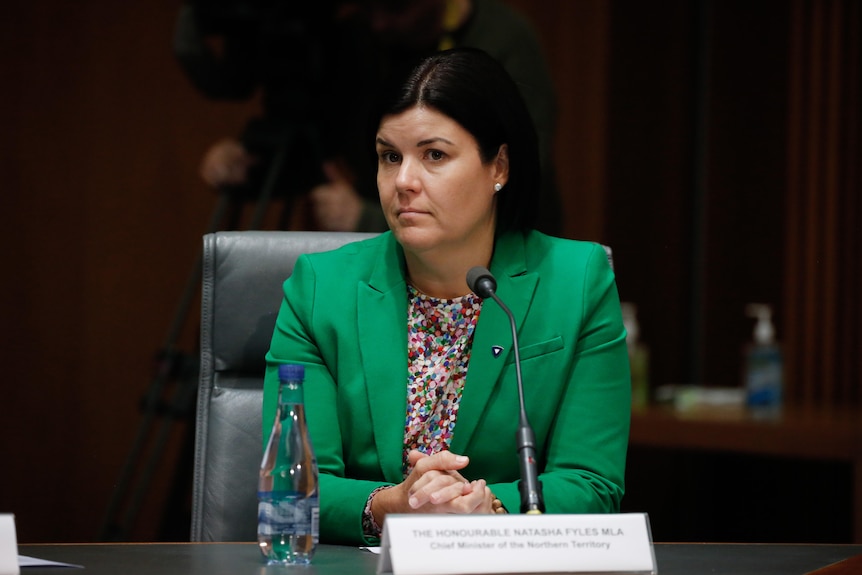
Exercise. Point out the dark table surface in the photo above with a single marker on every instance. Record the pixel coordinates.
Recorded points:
(244, 558)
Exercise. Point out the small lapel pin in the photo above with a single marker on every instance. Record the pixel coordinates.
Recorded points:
(496, 350)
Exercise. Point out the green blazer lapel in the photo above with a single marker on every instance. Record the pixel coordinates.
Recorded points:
(382, 319)
(516, 287)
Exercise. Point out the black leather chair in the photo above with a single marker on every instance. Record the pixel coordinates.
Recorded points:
(241, 294)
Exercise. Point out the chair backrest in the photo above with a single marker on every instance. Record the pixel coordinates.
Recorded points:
(241, 293)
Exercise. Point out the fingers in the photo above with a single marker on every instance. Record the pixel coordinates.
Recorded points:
(466, 497)
(480, 499)
(336, 204)
(440, 461)
(441, 488)
(435, 478)
(415, 455)
(333, 173)
(434, 485)
(226, 163)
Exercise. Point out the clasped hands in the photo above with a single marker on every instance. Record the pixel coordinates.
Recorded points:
(434, 486)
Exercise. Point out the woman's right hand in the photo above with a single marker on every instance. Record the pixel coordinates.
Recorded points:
(434, 486)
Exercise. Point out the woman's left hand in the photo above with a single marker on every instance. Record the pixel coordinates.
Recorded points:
(435, 489)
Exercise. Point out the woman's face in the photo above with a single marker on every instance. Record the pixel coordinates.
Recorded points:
(434, 189)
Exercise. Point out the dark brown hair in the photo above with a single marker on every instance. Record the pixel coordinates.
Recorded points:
(474, 89)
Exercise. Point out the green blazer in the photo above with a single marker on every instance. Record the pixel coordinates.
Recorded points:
(344, 317)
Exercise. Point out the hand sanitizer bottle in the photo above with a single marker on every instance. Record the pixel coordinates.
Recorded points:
(763, 363)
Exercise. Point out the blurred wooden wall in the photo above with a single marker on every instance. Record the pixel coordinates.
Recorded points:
(823, 248)
(102, 214)
(672, 147)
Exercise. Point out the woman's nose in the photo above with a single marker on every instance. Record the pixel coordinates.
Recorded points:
(406, 180)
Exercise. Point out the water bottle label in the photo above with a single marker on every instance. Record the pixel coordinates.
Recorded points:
(288, 514)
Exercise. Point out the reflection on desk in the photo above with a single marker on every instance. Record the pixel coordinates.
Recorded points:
(245, 558)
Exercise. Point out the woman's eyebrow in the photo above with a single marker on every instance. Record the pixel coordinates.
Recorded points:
(431, 141)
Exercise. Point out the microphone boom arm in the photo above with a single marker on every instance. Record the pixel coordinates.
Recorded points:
(530, 487)
(483, 284)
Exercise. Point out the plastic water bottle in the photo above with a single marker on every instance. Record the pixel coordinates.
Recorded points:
(288, 495)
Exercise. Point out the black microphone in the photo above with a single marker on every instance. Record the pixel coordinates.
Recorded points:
(484, 285)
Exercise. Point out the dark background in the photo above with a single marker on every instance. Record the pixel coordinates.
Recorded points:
(712, 144)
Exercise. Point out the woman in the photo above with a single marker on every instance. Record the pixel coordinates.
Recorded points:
(410, 387)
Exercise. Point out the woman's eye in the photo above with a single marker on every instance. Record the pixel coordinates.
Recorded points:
(435, 155)
(389, 157)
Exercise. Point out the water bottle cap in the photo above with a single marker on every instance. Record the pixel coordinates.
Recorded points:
(291, 371)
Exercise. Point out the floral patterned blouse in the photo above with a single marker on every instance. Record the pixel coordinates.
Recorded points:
(439, 340)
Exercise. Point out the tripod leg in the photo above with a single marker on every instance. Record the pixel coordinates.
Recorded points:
(111, 529)
(268, 187)
(183, 397)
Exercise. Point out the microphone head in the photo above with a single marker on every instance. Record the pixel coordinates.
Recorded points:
(481, 282)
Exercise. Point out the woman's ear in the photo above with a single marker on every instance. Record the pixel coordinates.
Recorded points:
(501, 165)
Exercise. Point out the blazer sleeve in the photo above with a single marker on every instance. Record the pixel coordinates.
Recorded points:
(584, 456)
(304, 334)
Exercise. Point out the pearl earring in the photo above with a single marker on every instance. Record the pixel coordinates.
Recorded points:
(498, 186)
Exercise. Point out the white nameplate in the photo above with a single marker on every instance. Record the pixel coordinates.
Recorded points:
(8, 546)
(511, 543)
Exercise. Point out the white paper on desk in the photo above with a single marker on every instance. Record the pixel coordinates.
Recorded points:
(8, 545)
(25, 561)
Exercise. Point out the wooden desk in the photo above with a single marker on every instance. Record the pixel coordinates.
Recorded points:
(834, 435)
(244, 558)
